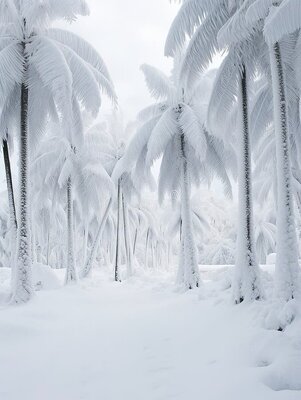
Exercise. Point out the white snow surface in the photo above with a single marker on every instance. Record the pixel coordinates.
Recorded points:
(145, 340)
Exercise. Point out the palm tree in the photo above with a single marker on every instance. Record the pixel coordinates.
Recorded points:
(279, 24)
(203, 21)
(44, 71)
(173, 129)
(72, 170)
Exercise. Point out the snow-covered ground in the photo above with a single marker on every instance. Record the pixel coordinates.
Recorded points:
(144, 340)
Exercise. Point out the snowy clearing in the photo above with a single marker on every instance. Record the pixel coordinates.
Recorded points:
(142, 339)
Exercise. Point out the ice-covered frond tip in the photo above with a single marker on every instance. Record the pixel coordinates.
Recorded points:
(158, 83)
(183, 25)
(283, 20)
(39, 12)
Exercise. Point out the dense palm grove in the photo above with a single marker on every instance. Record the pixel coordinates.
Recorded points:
(80, 199)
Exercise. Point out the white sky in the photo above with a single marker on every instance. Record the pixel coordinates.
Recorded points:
(128, 33)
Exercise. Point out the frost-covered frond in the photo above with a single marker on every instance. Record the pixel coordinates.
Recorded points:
(261, 113)
(237, 28)
(84, 84)
(283, 20)
(163, 132)
(216, 162)
(135, 148)
(158, 83)
(38, 13)
(10, 112)
(151, 111)
(82, 48)
(11, 69)
(190, 15)
(224, 93)
(193, 131)
(202, 47)
(50, 63)
(169, 172)
(258, 10)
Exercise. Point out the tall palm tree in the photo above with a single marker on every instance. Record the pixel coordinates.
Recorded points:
(203, 21)
(278, 24)
(174, 130)
(43, 71)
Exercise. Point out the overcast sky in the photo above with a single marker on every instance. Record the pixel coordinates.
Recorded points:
(128, 34)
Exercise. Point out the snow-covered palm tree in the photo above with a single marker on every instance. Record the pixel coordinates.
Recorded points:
(204, 21)
(43, 71)
(73, 170)
(173, 128)
(280, 21)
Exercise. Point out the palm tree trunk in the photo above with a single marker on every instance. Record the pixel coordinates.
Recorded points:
(117, 250)
(86, 237)
(146, 248)
(22, 277)
(127, 239)
(71, 273)
(246, 285)
(11, 199)
(89, 264)
(287, 267)
(191, 272)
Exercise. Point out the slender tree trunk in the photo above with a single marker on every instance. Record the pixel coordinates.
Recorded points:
(86, 236)
(127, 239)
(71, 273)
(23, 290)
(191, 272)
(246, 285)
(90, 261)
(48, 246)
(11, 200)
(287, 266)
(117, 250)
(146, 248)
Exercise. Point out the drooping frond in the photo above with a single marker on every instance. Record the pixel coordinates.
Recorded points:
(84, 83)
(163, 132)
(224, 94)
(193, 131)
(82, 48)
(38, 13)
(135, 148)
(203, 46)
(11, 69)
(151, 111)
(157, 82)
(283, 20)
(50, 63)
(261, 113)
(188, 17)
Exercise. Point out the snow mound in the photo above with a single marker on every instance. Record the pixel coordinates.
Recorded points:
(45, 277)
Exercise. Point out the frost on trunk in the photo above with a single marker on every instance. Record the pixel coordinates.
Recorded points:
(246, 285)
(117, 249)
(146, 248)
(71, 274)
(189, 258)
(11, 200)
(90, 261)
(127, 239)
(22, 289)
(287, 267)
